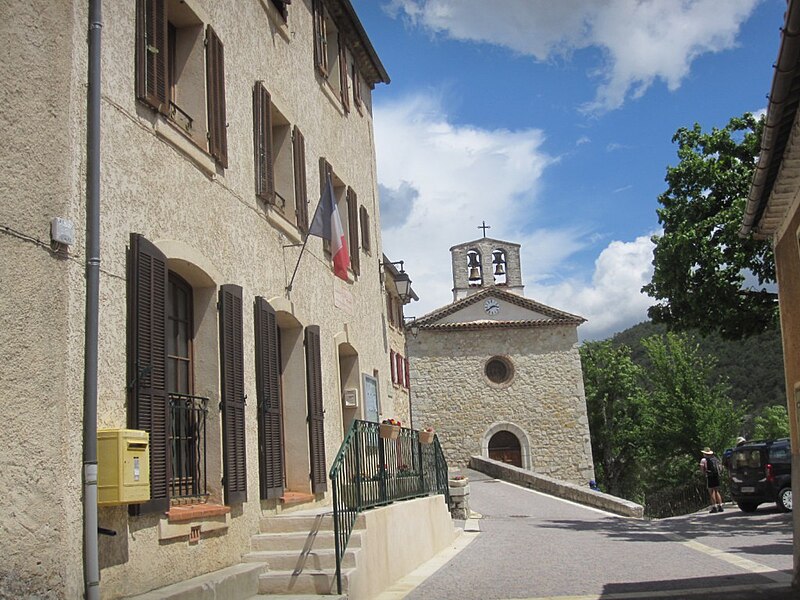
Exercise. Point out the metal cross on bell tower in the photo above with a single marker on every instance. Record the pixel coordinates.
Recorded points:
(484, 226)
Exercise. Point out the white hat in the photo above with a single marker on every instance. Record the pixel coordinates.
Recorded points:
(707, 450)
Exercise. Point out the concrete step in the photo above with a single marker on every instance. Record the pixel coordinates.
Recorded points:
(299, 541)
(317, 559)
(288, 523)
(307, 582)
(237, 582)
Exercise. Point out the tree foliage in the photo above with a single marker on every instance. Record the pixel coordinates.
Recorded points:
(705, 276)
(614, 401)
(772, 423)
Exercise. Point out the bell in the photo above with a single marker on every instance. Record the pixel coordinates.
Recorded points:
(500, 269)
(474, 274)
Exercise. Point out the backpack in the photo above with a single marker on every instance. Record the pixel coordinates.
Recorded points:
(713, 466)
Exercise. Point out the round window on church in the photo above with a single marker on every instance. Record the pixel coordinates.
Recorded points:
(499, 370)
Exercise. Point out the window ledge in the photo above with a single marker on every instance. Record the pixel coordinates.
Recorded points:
(192, 512)
(192, 520)
(179, 140)
(289, 229)
(281, 26)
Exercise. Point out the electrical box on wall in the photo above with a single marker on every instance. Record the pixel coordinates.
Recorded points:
(351, 398)
(62, 231)
(123, 466)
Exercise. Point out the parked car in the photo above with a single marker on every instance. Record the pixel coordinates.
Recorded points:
(760, 472)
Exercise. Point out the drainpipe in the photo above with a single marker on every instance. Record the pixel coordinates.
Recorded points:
(91, 567)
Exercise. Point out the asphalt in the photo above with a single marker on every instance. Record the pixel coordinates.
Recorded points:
(533, 546)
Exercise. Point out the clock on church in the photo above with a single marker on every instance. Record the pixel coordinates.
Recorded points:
(491, 306)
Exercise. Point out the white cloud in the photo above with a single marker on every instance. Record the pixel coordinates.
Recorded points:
(450, 178)
(641, 40)
(613, 300)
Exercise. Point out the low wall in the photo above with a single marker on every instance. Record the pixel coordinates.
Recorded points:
(554, 487)
(397, 539)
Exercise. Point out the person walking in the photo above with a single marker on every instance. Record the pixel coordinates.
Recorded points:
(712, 469)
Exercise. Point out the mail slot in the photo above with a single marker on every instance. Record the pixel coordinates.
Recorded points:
(123, 466)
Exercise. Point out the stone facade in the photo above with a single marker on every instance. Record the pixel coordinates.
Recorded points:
(544, 403)
(499, 375)
(162, 181)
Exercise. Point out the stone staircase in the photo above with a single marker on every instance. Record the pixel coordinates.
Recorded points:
(298, 550)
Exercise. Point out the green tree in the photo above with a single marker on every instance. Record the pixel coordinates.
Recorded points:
(772, 423)
(705, 275)
(614, 401)
(686, 409)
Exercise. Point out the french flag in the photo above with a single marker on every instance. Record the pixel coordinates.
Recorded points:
(327, 225)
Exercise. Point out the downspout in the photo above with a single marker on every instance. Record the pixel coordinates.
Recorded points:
(91, 567)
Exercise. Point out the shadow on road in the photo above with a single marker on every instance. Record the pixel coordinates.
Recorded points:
(729, 587)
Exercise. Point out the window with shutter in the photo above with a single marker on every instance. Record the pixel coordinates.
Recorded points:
(171, 66)
(320, 38)
(300, 183)
(365, 237)
(268, 390)
(316, 412)
(398, 358)
(344, 90)
(393, 366)
(283, 7)
(407, 378)
(148, 404)
(352, 230)
(355, 78)
(232, 396)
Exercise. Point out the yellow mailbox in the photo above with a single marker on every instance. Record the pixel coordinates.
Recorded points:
(123, 466)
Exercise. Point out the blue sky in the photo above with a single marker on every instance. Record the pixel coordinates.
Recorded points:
(551, 121)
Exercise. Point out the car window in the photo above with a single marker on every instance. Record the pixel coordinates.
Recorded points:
(780, 454)
(746, 458)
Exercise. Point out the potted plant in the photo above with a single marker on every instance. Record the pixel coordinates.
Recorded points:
(426, 435)
(390, 429)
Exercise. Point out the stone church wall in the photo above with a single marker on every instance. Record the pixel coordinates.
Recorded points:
(543, 402)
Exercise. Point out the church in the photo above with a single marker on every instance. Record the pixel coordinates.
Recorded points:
(499, 375)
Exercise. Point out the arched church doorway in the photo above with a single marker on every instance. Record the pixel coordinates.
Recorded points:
(504, 446)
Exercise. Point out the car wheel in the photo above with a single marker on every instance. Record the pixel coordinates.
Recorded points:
(785, 499)
(748, 507)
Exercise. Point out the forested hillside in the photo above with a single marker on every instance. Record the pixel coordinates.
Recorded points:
(753, 366)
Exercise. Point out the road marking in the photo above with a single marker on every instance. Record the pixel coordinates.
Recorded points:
(665, 593)
(401, 588)
(743, 563)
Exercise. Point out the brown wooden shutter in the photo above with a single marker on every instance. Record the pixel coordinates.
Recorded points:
(352, 223)
(262, 142)
(393, 365)
(268, 390)
(148, 403)
(325, 169)
(300, 183)
(215, 82)
(364, 219)
(408, 379)
(320, 54)
(316, 412)
(152, 83)
(344, 90)
(354, 76)
(233, 398)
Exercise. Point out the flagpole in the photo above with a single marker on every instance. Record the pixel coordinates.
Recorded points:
(291, 281)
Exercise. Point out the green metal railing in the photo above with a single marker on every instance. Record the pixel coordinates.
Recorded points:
(370, 471)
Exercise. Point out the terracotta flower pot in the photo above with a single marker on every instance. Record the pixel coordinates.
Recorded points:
(389, 432)
(426, 437)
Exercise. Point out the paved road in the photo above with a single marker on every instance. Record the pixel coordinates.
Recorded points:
(536, 546)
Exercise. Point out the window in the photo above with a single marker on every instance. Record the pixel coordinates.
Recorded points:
(393, 365)
(279, 160)
(356, 79)
(330, 55)
(162, 382)
(180, 72)
(365, 238)
(499, 370)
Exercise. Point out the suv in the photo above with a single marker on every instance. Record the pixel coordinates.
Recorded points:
(761, 472)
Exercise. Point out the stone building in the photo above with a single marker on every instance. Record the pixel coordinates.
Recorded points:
(220, 123)
(499, 375)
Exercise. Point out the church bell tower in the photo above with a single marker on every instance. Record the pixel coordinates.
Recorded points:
(485, 263)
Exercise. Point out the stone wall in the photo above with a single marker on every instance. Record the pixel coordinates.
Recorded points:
(544, 401)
